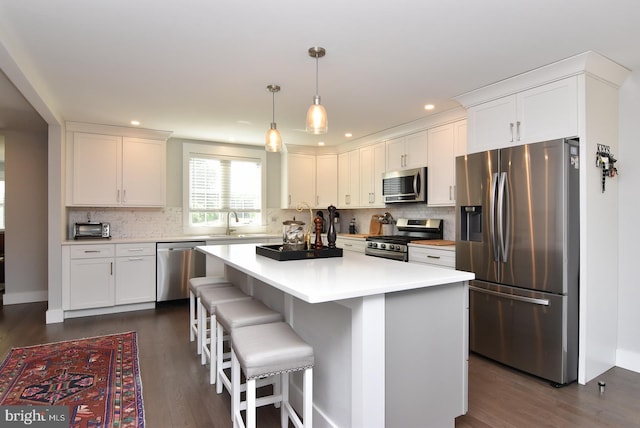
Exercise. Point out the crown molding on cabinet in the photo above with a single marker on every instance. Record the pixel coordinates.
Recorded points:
(93, 128)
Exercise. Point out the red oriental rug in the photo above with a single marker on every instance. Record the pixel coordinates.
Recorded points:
(97, 378)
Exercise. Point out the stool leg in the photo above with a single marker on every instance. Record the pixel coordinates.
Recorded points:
(215, 374)
(235, 389)
(192, 316)
(284, 410)
(251, 403)
(202, 332)
(212, 349)
(307, 398)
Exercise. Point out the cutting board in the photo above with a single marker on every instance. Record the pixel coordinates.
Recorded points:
(438, 242)
(375, 227)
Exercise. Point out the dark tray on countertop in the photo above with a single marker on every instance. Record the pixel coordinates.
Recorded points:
(274, 252)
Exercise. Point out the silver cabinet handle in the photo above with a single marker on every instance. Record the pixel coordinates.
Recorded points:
(511, 129)
(542, 302)
(118, 196)
(135, 259)
(124, 196)
(111, 267)
(518, 130)
(433, 257)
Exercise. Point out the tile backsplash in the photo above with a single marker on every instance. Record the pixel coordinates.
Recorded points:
(167, 222)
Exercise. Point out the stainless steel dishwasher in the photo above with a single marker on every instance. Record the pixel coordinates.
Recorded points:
(176, 263)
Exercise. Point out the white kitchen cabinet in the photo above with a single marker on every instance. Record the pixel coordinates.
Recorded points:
(326, 180)
(541, 113)
(349, 179)
(108, 275)
(372, 166)
(298, 179)
(90, 277)
(409, 151)
(348, 243)
(444, 144)
(116, 171)
(135, 280)
(442, 257)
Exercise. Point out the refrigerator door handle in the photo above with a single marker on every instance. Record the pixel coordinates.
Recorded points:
(504, 218)
(492, 217)
(542, 302)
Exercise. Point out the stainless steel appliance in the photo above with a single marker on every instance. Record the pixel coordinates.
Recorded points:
(91, 230)
(395, 246)
(517, 229)
(408, 185)
(176, 263)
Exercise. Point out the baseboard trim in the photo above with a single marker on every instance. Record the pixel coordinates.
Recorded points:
(629, 360)
(18, 298)
(54, 316)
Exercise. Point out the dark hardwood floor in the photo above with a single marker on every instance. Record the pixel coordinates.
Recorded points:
(177, 392)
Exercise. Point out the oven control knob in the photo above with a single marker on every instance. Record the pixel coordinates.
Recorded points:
(383, 246)
(397, 247)
(370, 244)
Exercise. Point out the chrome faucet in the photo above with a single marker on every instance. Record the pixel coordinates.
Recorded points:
(228, 231)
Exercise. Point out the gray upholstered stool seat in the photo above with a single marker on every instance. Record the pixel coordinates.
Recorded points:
(210, 297)
(196, 284)
(236, 315)
(266, 350)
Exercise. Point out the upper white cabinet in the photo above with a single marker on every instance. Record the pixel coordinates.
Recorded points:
(541, 113)
(309, 178)
(372, 166)
(349, 179)
(444, 144)
(409, 151)
(298, 179)
(326, 180)
(105, 169)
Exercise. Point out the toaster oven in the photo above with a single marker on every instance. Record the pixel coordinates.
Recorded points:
(91, 231)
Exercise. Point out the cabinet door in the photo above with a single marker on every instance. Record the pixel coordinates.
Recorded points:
(492, 124)
(378, 168)
(372, 166)
(343, 180)
(349, 179)
(300, 182)
(396, 154)
(416, 149)
(143, 172)
(440, 171)
(91, 283)
(354, 178)
(548, 112)
(135, 279)
(326, 181)
(96, 169)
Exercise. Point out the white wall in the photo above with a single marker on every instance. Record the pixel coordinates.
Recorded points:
(26, 216)
(628, 354)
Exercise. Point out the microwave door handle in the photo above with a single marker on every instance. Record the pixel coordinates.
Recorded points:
(416, 184)
(492, 216)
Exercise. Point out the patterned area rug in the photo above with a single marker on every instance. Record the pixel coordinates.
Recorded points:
(97, 378)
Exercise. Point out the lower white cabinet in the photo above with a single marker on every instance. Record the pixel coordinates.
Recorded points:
(135, 273)
(107, 275)
(442, 257)
(351, 244)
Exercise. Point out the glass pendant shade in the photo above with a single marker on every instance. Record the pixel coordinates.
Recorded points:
(317, 121)
(274, 140)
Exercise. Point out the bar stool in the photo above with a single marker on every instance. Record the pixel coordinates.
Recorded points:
(236, 315)
(209, 299)
(266, 350)
(196, 284)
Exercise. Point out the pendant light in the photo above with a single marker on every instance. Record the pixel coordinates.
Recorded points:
(317, 121)
(274, 140)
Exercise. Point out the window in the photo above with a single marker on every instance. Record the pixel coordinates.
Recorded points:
(220, 184)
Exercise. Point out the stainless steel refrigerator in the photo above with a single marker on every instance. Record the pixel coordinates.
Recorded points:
(517, 229)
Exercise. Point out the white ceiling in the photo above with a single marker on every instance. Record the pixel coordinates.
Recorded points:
(200, 68)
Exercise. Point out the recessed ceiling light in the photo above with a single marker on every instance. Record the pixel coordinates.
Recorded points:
(135, 122)
(321, 143)
(348, 135)
(429, 107)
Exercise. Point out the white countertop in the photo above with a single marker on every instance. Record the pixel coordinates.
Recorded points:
(337, 278)
(182, 238)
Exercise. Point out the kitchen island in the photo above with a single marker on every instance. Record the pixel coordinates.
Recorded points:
(390, 338)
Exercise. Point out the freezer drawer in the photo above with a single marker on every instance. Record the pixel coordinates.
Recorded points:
(523, 329)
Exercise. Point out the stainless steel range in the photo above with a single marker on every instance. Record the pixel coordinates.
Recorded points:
(395, 246)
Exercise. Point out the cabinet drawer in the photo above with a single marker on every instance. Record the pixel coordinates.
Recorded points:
(433, 256)
(141, 249)
(92, 251)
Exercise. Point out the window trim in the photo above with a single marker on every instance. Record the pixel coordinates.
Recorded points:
(222, 150)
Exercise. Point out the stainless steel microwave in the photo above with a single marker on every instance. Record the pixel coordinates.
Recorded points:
(91, 230)
(408, 185)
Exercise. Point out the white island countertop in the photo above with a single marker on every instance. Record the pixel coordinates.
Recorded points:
(337, 278)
